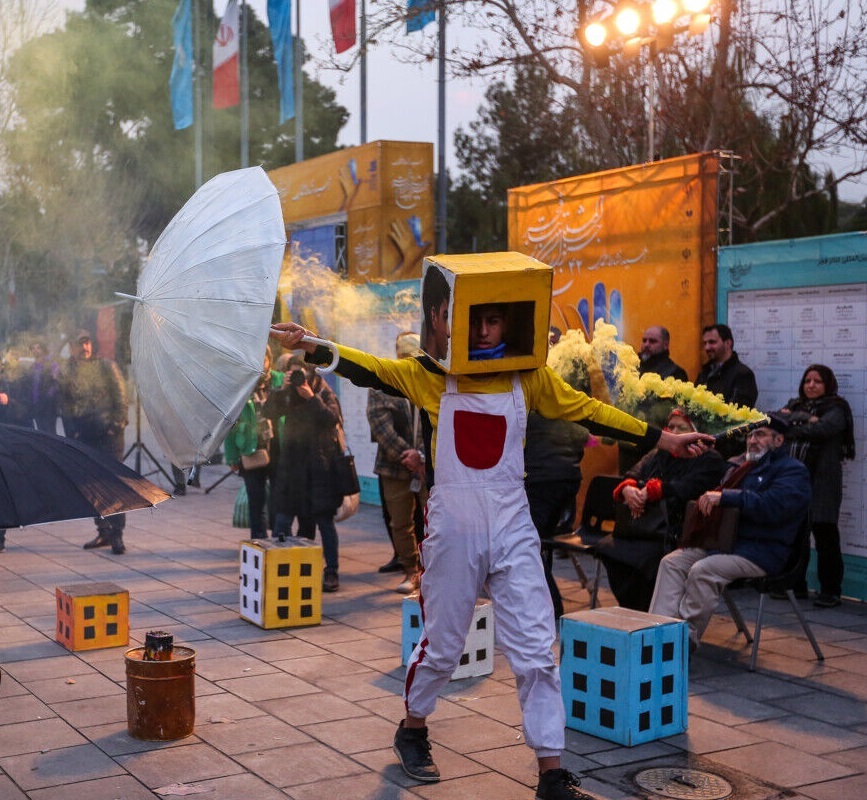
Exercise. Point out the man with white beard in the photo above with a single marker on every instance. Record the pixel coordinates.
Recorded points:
(772, 491)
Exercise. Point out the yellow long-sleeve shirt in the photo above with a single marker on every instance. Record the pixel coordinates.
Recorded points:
(545, 392)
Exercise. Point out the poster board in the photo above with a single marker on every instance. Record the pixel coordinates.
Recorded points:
(793, 303)
(635, 246)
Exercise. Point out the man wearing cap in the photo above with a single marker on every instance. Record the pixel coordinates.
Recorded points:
(93, 408)
(772, 491)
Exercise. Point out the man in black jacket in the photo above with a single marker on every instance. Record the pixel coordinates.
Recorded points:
(655, 355)
(724, 372)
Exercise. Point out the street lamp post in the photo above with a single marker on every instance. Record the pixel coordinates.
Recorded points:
(652, 24)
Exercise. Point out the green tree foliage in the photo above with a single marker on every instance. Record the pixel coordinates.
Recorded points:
(524, 134)
(94, 168)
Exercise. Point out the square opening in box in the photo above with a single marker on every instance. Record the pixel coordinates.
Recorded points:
(511, 324)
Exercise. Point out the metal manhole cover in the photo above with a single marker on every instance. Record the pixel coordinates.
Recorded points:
(684, 783)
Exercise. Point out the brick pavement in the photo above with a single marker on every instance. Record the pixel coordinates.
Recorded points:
(310, 713)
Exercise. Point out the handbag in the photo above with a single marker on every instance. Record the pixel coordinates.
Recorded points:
(344, 474)
(348, 507)
(715, 532)
(256, 460)
(652, 525)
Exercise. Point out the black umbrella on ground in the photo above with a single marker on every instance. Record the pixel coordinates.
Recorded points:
(47, 478)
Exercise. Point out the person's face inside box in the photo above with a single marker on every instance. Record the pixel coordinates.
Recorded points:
(487, 326)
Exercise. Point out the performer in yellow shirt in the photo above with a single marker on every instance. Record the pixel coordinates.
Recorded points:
(479, 532)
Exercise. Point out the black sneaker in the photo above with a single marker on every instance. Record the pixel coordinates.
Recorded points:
(330, 581)
(412, 749)
(99, 541)
(559, 784)
(391, 566)
(827, 601)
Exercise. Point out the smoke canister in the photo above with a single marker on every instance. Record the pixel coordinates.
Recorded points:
(160, 693)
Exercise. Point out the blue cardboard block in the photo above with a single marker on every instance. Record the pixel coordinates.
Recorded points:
(624, 674)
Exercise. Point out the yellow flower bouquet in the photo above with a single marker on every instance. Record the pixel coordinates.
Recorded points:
(647, 396)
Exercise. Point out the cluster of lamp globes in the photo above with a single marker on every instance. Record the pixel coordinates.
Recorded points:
(633, 24)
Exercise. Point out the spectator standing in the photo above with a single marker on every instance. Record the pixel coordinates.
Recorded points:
(13, 408)
(822, 434)
(394, 426)
(305, 488)
(255, 433)
(553, 450)
(655, 356)
(772, 491)
(93, 408)
(42, 384)
(724, 373)
(631, 554)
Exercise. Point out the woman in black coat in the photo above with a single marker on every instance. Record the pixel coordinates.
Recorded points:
(305, 486)
(631, 554)
(821, 434)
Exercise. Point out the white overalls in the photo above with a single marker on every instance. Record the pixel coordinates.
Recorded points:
(479, 533)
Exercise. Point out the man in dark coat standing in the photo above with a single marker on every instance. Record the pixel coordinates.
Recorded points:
(724, 372)
(655, 355)
(94, 411)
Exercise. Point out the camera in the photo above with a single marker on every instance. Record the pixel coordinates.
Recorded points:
(297, 378)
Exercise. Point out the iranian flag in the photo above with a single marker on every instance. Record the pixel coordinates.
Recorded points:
(342, 23)
(227, 87)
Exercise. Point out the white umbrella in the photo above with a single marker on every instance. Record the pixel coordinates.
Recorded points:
(203, 311)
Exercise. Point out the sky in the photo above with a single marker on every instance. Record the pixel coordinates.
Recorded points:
(402, 98)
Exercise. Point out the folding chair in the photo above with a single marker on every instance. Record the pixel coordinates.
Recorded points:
(597, 520)
(784, 582)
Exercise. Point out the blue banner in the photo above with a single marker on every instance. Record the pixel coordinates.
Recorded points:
(280, 22)
(420, 12)
(181, 80)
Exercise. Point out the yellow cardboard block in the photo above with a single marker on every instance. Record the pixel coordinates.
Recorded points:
(453, 284)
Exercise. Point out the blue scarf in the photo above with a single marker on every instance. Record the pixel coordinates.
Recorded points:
(493, 352)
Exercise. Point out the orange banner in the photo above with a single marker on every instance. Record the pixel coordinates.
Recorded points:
(382, 191)
(635, 246)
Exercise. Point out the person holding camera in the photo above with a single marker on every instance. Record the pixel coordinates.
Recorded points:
(252, 449)
(304, 485)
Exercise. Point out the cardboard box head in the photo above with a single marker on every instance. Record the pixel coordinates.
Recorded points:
(485, 312)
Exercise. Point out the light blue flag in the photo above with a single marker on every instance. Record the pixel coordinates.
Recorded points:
(181, 80)
(421, 12)
(280, 22)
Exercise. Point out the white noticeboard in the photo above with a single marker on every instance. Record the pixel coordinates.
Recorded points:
(778, 333)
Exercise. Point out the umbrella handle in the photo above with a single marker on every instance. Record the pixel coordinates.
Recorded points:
(331, 346)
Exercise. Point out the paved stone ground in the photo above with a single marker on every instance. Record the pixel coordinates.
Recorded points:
(310, 713)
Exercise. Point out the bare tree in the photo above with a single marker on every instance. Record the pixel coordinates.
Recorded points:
(782, 83)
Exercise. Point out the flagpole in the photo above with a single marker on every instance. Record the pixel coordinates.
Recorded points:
(441, 133)
(197, 82)
(245, 93)
(363, 73)
(299, 87)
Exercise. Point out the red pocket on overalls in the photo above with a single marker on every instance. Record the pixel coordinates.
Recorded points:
(479, 438)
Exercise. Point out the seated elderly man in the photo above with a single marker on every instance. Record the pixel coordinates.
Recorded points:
(772, 491)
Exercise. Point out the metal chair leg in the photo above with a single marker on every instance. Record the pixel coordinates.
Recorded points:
(759, 617)
(805, 625)
(736, 616)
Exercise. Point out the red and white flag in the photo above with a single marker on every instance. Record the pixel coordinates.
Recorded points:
(227, 85)
(342, 23)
